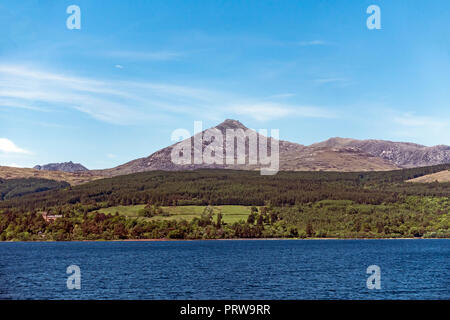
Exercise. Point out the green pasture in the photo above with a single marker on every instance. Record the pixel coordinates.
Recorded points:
(230, 213)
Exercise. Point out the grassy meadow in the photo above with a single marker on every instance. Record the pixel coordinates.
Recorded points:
(230, 213)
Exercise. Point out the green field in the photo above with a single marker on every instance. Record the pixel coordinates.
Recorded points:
(230, 213)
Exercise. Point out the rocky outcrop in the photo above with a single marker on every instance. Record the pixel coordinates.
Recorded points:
(64, 166)
(402, 154)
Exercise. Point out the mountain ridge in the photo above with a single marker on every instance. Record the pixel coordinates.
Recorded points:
(333, 154)
(293, 157)
(402, 154)
(62, 166)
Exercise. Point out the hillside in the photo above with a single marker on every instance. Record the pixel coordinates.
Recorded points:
(227, 204)
(14, 188)
(442, 176)
(71, 178)
(226, 187)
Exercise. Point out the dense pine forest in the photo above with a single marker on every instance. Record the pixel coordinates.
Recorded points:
(288, 205)
(19, 187)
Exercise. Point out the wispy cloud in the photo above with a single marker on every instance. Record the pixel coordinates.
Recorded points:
(429, 130)
(266, 111)
(281, 96)
(7, 146)
(312, 43)
(411, 120)
(330, 80)
(110, 101)
(133, 102)
(340, 82)
(146, 55)
(13, 164)
(12, 103)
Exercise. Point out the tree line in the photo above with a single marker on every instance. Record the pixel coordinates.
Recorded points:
(229, 187)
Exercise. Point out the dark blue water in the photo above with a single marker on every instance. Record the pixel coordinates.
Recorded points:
(260, 269)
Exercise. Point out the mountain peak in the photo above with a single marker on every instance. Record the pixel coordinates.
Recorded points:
(231, 124)
(64, 166)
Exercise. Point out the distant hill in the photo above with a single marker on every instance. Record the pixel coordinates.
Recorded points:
(72, 178)
(63, 166)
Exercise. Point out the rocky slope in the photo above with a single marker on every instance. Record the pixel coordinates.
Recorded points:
(63, 166)
(402, 154)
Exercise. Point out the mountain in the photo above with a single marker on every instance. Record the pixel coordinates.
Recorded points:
(293, 157)
(63, 166)
(335, 154)
(402, 154)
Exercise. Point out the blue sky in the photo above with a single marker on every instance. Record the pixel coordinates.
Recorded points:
(116, 89)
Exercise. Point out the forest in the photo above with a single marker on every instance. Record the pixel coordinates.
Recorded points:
(287, 205)
(13, 188)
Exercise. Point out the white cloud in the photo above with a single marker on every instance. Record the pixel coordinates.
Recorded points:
(109, 101)
(13, 103)
(267, 111)
(428, 130)
(410, 120)
(7, 146)
(282, 96)
(118, 66)
(14, 165)
(132, 102)
(312, 43)
(330, 80)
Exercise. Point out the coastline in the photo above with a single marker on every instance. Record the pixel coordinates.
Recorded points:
(236, 239)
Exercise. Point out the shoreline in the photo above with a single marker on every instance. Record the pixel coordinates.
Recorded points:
(237, 239)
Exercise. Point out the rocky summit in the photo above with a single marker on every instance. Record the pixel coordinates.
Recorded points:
(64, 166)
